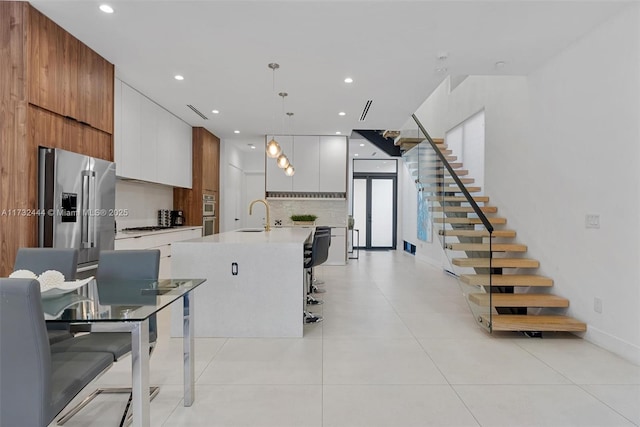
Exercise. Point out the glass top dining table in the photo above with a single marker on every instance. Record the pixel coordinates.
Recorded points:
(115, 300)
(120, 305)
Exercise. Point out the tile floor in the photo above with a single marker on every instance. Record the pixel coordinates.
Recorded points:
(398, 347)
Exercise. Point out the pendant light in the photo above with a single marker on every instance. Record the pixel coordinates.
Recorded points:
(273, 148)
(283, 161)
(289, 170)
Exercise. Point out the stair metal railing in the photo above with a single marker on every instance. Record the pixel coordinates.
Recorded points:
(446, 205)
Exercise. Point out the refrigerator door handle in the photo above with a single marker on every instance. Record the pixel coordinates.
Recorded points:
(87, 214)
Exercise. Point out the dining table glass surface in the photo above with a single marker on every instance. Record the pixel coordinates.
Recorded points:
(117, 300)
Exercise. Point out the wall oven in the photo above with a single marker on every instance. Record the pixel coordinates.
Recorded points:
(208, 214)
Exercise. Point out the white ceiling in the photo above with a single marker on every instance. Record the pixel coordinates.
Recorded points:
(389, 48)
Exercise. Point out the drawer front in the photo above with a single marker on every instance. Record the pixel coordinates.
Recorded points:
(141, 242)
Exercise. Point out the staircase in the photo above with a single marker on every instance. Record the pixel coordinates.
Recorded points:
(500, 283)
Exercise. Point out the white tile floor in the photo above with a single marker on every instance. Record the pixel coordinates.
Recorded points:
(398, 347)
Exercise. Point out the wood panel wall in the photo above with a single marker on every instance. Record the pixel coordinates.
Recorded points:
(205, 153)
(13, 132)
(41, 104)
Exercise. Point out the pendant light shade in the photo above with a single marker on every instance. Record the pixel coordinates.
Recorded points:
(273, 149)
(289, 171)
(283, 161)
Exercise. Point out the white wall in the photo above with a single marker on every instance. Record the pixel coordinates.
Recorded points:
(583, 150)
(142, 201)
(561, 143)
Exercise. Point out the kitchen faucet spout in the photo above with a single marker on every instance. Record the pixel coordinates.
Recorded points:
(267, 227)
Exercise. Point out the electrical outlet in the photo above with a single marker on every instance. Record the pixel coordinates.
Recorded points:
(592, 221)
(597, 305)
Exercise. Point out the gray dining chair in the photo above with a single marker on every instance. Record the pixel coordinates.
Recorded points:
(39, 260)
(36, 384)
(115, 265)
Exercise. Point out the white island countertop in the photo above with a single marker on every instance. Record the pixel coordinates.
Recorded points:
(255, 282)
(257, 236)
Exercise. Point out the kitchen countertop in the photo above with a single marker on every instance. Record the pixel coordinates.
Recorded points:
(276, 235)
(131, 234)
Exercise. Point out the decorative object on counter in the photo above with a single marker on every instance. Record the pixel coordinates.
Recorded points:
(267, 227)
(304, 219)
(164, 218)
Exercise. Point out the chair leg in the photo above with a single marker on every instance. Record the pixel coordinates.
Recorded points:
(127, 418)
(153, 392)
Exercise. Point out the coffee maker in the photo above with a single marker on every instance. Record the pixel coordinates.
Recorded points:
(177, 218)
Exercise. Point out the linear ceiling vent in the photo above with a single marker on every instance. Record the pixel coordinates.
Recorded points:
(195, 110)
(363, 116)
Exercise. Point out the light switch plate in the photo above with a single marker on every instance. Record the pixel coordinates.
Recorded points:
(592, 221)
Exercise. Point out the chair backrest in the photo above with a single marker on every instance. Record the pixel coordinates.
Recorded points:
(25, 361)
(322, 229)
(40, 260)
(129, 264)
(319, 249)
(132, 265)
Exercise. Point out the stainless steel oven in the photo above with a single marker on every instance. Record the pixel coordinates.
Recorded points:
(208, 205)
(208, 214)
(208, 225)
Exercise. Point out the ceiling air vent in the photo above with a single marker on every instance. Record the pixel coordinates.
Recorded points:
(195, 110)
(363, 116)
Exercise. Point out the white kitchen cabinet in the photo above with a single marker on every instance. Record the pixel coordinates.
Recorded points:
(173, 151)
(320, 163)
(338, 248)
(305, 161)
(151, 144)
(149, 112)
(276, 179)
(333, 164)
(161, 241)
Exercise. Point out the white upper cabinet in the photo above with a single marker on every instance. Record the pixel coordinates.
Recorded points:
(333, 164)
(151, 144)
(277, 180)
(305, 161)
(320, 163)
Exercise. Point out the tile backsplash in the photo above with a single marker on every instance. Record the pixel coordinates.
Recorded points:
(142, 201)
(329, 212)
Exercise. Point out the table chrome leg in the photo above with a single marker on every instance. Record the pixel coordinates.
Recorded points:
(188, 346)
(140, 374)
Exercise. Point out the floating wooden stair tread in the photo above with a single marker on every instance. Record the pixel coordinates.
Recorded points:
(433, 165)
(485, 247)
(462, 199)
(492, 220)
(542, 323)
(506, 280)
(449, 189)
(463, 209)
(496, 262)
(434, 179)
(519, 300)
(477, 233)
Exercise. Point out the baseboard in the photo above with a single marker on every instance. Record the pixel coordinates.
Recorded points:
(626, 350)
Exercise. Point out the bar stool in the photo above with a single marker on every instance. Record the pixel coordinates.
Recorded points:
(317, 256)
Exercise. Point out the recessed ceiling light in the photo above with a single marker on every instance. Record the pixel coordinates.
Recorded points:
(106, 8)
(441, 70)
(338, 133)
(342, 113)
(362, 145)
(215, 111)
(356, 155)
(500, 64)
(348, 80)
(236, 131)
(178, 77)
(253, 147)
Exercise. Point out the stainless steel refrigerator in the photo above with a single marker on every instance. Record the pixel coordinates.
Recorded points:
(77, 196)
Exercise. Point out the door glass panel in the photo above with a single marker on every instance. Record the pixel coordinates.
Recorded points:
(360, 208)
(381, 212)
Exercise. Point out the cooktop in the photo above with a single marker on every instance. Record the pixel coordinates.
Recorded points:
(147, 228)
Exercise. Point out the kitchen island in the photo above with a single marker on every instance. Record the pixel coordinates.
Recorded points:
(255, 282)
